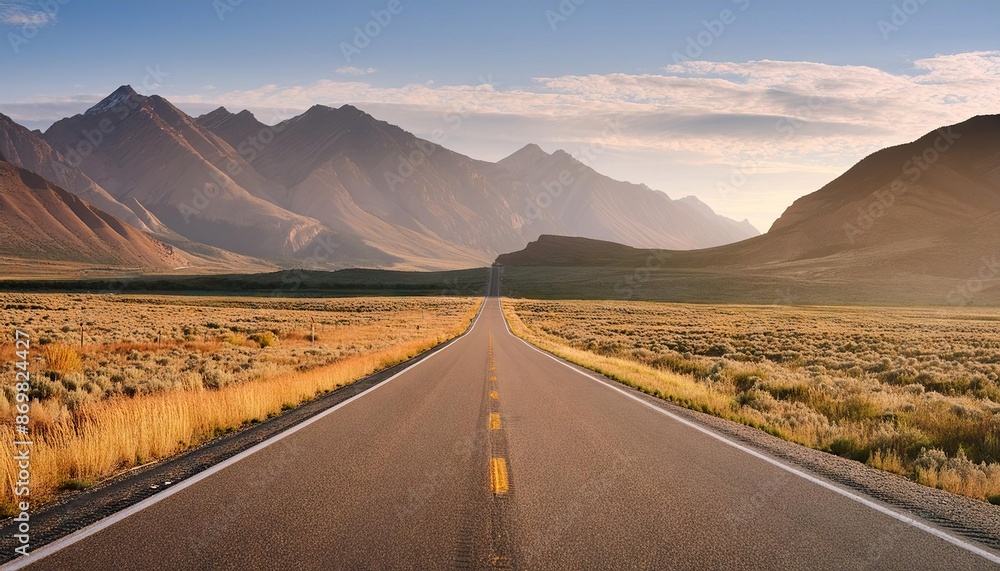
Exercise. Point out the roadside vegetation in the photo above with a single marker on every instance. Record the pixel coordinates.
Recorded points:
(156, 375)
(911, 391)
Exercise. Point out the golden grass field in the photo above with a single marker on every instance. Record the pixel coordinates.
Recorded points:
(157, 375)
(911, 391)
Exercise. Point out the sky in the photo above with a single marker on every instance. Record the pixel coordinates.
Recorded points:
(746, 104)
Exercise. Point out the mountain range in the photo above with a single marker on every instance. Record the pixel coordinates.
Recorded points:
(335, 187)
(136, 183)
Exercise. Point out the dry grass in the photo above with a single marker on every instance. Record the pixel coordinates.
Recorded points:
(62, 358)
(131, 401)
(910, 391)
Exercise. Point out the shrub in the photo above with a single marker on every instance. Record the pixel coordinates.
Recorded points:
(718, 350)
(793, 393)
(215, 379)
(62, 358)
(744, 380)
(237, 339)
(755, 399)
(959, 474)
(849, 447)
(77, 484)
(42, 388)
(73, 381)
(681, 364)
(76, 399)
(899, 377)
(265, 339)
(887, 460)
(859, 407)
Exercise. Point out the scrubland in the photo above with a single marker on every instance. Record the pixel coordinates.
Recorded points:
(911, 391)
(156, 375)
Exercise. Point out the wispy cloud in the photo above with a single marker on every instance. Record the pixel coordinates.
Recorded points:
(705, 110)
(717, 109)
(714, 109)
(351, 70)
(21, 14)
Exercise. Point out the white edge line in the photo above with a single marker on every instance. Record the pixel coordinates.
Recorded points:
(79, 535)
(989, 556)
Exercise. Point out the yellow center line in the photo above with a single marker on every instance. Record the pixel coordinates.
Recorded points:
(498, 476)
(494, 395)
(494, 421)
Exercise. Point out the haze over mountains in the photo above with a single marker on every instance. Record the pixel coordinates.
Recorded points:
(596, 206)
(336, 187)
(918, 222)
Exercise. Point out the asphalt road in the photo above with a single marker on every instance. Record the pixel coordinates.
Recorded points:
(491, 454)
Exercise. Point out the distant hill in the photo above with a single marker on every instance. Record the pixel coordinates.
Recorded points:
(568, 251)
(928, 207)
(41, 222)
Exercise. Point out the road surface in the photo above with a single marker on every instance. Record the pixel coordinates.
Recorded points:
(493, 455)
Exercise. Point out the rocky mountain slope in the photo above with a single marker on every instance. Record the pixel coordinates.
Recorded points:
(197, 184)
(41, 221)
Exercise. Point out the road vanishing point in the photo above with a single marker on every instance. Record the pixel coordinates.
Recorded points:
(490, 454)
